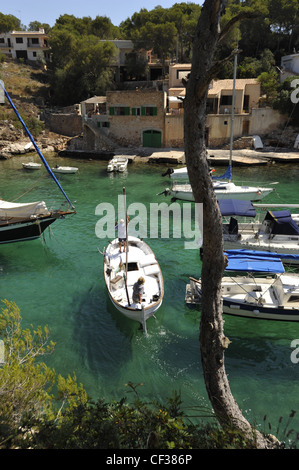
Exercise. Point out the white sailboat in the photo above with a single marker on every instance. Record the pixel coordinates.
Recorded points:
(123, 269)
(224, 189)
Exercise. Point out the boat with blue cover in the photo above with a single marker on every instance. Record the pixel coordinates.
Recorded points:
(278, 232)
(263, 291)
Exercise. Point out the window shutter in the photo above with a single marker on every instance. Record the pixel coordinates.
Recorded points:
(111, 111)
(133, 111)
(142, 111)
(154, 111)
(127, 111)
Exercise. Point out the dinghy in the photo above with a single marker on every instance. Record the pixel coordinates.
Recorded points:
(65, 169)
(32, 166)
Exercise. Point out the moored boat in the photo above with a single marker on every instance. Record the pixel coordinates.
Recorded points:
(32, 166)
(117, 164)
(272, 295)
(65, 169)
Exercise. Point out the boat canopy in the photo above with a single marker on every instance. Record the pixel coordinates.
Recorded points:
(283, 223)
(254, 261)
(10, 210)
(231, 207)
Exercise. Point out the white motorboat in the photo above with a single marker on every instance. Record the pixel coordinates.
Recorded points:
(32, 166)
(275, 296)
(117, 164)
(65, 169)
(122, 271)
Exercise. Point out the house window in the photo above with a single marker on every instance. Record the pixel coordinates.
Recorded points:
(136, 111)
(149, 111)
(103, 124)
(1, 40)
(226, 100)
(119, 111)
(19, 40)
(34, 54)
(35, 41)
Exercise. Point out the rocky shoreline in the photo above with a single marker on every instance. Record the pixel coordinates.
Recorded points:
(46, 143)
(49, 142)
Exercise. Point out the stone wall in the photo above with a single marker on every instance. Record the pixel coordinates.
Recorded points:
(65, 124)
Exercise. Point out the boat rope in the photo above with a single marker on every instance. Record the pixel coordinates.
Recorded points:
(28, 190)
(35, 145)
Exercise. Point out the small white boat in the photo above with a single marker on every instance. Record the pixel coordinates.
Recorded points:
(64, 169)
(122, 271)
(32, 166)
(117, 164)
(223, 190)
(275, 296)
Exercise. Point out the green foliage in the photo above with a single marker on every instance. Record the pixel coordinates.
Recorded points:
(41, 411)
(9, 23)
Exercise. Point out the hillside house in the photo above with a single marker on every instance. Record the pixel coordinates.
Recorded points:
(27, 45)
(289, 66)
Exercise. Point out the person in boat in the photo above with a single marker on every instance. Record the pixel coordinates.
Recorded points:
(138, 290)
(122, 233)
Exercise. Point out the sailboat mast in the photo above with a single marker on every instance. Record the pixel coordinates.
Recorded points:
(35, 145)
(233, 111)
(127, 245)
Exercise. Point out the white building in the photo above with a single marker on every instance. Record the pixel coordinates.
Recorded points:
(289, 66)
(27, 45)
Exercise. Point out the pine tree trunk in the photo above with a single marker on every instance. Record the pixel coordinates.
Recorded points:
(212, 339)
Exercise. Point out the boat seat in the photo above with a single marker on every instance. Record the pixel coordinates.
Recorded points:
(147, 260)
(152, 269)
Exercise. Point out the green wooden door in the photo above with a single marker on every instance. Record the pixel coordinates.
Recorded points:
(152, 138)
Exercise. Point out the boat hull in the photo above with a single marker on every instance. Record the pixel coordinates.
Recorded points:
(185, 193)
(65, 170)
(263, 313)
(243, 308)
(27, 230)
(32, 166)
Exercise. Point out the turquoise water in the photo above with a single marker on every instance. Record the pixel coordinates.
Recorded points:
(59, 282)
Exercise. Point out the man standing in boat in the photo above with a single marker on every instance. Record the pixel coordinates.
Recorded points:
(122, 233)
(138, 291)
